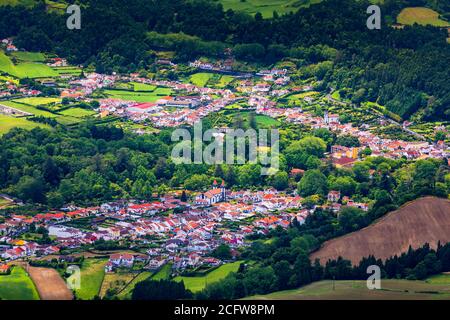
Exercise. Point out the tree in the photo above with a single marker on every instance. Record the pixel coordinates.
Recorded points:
(313, 182)
(260, 280)
(280, 180)
(346, 185)
(55, 200)
(351, 219)
(222, 252)
(197, 182)
(30, 189)
(160, 290)
(183, 197)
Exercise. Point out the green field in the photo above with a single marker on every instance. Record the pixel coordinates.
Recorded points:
(143, 87)
(25, 69)
(29, 56)
(139, 96)
(127, 291)
(92, 274)
(196, 284)
(443, 278)
(17, 286)
(75, 71)
(77, 112)
(38, 101)
(28, 108)
(357, 290)
(421, 16)
(267, 7)
(7, 123)
(163, 273)
(27, 3)
(200, 79)
(224, 81)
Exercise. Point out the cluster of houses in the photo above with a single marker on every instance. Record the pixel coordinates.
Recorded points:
(168, 111)
(8, 44)
(342, 156)
(186, 238)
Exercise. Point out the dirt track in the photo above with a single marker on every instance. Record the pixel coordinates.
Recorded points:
(416, 223)
(49, 284)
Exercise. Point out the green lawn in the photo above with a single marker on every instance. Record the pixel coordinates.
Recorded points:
(200, 79)
(196, 284)
(17, 286)
(421, 15)
(92, 274)
(267, 7)
(7, 123)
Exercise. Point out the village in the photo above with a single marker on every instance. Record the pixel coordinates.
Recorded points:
(167, 230)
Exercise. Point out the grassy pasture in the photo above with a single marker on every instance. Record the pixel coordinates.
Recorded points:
(92, 274)
(38, 101)
(200, 79)
(28, 108)
(196, 284)
(7, 123)
(421, 15)
(126, 292)
(25, 69)
(29, 56)
(139, 96)
(77, 112)
(357, 290)
(17, 286)
(143, 87)
(115, 281)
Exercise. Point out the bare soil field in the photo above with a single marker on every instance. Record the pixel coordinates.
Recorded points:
(49, 284)
(426, 220)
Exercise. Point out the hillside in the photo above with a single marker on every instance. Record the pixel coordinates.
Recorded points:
(416, 223)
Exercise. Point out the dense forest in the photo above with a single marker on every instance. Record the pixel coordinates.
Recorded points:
(403, 69)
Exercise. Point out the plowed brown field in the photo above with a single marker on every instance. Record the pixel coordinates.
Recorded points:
(426, 220)
(49, 284)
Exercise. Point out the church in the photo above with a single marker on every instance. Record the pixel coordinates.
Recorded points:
(216, 194)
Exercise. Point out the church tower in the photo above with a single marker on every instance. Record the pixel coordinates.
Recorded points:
(223, 191)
